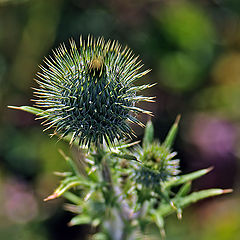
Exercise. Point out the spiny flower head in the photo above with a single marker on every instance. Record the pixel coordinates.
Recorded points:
(158, 165)
(89, 92)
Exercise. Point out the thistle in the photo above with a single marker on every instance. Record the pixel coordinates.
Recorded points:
(89, 92)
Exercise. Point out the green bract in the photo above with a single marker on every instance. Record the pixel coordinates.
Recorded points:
(89, 92)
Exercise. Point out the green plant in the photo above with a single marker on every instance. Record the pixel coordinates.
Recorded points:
(87, 95)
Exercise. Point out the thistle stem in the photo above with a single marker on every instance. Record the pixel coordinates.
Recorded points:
(120, 226)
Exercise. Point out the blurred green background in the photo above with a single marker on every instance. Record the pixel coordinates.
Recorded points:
(193, 49)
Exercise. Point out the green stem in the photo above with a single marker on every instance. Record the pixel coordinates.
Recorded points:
(122, 214)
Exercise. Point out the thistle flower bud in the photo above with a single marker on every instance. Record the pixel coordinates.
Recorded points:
(158, 165)
(89, 92)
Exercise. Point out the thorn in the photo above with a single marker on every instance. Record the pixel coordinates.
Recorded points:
(149, 118)
(14, 107)
(177, 119)
(209, 169)
(62, 153)
(179, 215)
(224, 191)
(70, 224)
(172, 205)
(51, 197)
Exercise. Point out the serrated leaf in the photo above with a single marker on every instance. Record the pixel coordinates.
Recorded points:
(148, 134)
